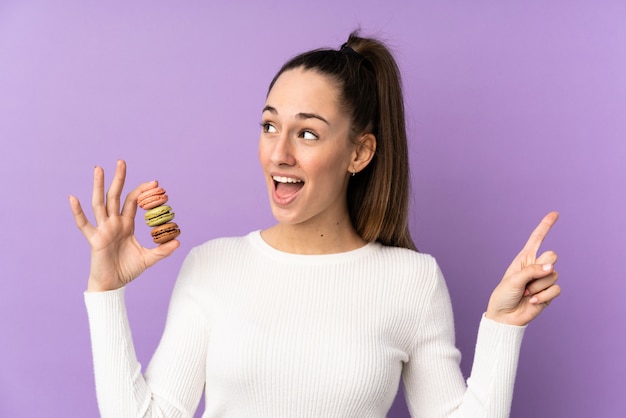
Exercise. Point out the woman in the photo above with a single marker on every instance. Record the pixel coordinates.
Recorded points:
(323, 313)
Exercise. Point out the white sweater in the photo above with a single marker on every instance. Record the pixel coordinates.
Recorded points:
(272, 334)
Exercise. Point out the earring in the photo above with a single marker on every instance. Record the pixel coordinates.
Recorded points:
(353, 172)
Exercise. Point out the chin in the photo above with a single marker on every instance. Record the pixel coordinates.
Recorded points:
(285, 217)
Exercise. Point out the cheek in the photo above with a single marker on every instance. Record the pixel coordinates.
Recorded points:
(337, 163)
(329, 170)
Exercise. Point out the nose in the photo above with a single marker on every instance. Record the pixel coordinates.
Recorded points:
(283, 151)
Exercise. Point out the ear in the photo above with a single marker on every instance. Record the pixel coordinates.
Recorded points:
(364, 150)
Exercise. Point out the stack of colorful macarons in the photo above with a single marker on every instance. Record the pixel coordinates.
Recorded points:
(158, 215)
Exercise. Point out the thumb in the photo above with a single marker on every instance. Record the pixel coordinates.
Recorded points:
(162, 251)
(548, 257)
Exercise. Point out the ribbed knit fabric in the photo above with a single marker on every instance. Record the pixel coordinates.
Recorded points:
(273, 334)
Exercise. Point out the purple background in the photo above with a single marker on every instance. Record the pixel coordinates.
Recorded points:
(514, 109)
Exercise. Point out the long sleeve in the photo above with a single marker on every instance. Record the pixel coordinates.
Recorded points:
(173, 381)
(434, 386)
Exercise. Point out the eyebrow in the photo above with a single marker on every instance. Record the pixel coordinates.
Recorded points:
(301, 115)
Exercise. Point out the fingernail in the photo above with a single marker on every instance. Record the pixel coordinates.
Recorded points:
(526, 292)
(534, 300)
(547, 267)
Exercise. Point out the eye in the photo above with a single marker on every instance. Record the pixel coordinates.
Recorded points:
(268, 128)
(309, 135)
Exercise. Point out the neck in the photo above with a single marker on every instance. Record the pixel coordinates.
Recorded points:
(313, 239)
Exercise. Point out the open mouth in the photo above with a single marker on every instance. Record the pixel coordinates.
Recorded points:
(286, 187)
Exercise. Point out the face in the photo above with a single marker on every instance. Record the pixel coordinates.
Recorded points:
(305, 150)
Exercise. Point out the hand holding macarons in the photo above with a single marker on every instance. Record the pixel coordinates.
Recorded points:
(116, 256)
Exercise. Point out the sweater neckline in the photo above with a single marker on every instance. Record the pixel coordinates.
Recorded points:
(259, 243)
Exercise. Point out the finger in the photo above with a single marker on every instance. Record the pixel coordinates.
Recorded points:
(162, 251)
(524, 277)
(546, 296)
(130, 203)
(80, 218)
(115, 190)
(539, 285)
(540, 232)
(97, 198)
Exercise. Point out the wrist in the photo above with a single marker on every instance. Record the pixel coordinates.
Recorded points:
(493, 315)
(506, 318)
(96, 286)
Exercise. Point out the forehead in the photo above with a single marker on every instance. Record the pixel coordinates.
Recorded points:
(304, 90)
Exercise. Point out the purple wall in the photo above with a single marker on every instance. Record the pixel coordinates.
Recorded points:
(514, 109)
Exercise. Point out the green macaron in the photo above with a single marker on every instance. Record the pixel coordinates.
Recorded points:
(159, 215)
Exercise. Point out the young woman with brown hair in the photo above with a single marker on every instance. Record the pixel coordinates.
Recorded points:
(322, 314)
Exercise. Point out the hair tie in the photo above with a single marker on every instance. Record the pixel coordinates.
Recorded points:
(349, 51)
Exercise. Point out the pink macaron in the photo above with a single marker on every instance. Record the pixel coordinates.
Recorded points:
(152, 198)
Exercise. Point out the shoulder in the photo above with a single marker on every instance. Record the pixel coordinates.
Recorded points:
(409, 280)
(408, 271)
(406, 259)
(213, 259)
(215, 253)
(405, 253)
(219, 247)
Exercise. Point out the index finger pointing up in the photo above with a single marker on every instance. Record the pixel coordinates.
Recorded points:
(540, 232)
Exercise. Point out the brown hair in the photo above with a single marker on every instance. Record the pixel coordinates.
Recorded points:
(371, 93)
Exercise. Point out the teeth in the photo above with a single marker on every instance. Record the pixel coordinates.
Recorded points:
(286, 179)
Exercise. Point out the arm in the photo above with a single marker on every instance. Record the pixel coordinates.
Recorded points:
(432, 377)
(174, 380)
(117, 258)
(434, 385)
